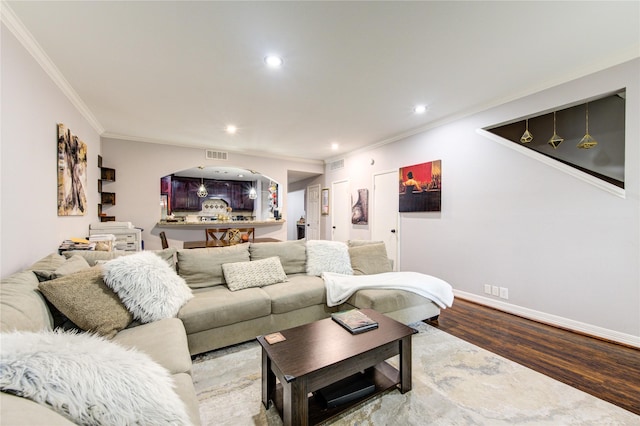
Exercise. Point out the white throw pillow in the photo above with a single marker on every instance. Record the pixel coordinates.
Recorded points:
(256, 273)
(328, 256)
(88, 379)
(149, 288)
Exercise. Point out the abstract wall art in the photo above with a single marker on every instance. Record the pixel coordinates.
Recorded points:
(360, 207)
(72, 174)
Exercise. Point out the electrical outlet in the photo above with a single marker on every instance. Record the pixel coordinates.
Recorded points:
(495, 290)
(504, 292)
(487, 288)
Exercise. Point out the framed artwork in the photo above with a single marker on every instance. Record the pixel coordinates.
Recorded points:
(72, 174)
(360, 209)
(420, 187)
(324, 201)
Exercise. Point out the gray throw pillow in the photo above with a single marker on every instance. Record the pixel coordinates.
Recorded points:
(85, 299)
(368, 259)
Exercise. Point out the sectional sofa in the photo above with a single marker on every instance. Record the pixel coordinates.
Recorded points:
(236, 293)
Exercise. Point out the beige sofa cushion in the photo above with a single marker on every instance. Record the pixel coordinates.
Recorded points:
(165, 341)
(386, 300)
(356, 243)
(22, 306)
(86, 300)
(185, 390)
(292, 254)
(203, 267)
(300, 291)
(70, 266)
(48, 263)
(369, 259)
(94, 257)
(218, 306)
(19, 411)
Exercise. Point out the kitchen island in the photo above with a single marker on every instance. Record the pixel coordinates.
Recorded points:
(219, 224)
(183, 233)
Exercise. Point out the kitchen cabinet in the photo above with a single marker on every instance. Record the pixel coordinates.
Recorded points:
(184, 195)
(240, 196)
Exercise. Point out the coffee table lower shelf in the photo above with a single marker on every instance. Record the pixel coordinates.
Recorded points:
(384, 376)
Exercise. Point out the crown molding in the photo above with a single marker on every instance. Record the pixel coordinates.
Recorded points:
(17, 28)
(617, 58)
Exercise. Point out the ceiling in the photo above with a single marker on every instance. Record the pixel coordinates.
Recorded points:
(177, 72)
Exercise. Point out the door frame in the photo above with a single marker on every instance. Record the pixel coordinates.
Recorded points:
(373, 217)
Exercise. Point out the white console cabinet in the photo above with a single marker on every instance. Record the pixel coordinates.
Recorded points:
(128, 238)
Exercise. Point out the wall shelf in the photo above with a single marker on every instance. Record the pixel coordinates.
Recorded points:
(107, 175)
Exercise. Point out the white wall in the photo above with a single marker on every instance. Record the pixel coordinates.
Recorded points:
(139, 167)
(32, 105)
(566, 250)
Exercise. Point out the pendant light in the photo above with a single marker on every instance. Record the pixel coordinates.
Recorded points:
(555, 140)
(253, 194)
(526, 136)
(587, 142)
(202, 191)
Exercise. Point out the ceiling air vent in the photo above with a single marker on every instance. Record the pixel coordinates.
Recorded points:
(216, 155)
(336, 165)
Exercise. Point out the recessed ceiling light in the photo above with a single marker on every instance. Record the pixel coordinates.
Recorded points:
(231, 129)
(273, 61)
(419, 109)
(335, 146)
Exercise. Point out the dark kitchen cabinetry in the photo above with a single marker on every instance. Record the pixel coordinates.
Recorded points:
(184, 197)
(240, 196)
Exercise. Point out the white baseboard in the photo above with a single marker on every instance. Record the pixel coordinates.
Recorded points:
(614, 336)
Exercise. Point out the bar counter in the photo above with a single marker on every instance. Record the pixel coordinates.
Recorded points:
(220, 224)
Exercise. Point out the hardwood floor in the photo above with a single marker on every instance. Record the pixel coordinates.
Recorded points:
(606, 370)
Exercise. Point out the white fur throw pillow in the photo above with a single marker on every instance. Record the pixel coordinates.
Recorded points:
(89, 380)
(149, 288)
(328, 256)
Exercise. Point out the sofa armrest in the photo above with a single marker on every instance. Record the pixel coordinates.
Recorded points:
(18, 411)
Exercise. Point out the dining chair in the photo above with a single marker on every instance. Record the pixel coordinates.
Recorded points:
(215, 237)
(239, 235)
(163, 239)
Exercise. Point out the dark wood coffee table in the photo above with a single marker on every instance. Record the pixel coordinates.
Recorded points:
(321, 353)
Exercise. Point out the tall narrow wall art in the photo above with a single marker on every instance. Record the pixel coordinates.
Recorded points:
(72, 174)
(420, 187)
(360, 208)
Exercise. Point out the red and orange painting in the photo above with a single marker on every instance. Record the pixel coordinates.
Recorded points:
(420, 187)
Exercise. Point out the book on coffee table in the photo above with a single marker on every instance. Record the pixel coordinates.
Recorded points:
(354, 320)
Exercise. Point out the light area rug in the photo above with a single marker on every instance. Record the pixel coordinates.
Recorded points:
(454, 383)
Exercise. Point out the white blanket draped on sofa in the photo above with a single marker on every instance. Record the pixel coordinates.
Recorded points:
(340, 287)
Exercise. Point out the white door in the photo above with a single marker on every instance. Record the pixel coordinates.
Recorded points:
(384, 224)
(313, 213)
(340, 207)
